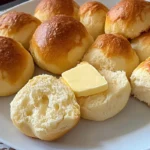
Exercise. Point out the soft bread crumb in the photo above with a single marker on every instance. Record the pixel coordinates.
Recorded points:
(140, 82)
(45, 108)
(107, 104)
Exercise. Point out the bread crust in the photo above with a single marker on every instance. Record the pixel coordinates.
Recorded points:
(16, 66)
(46, 9)
(54, 41)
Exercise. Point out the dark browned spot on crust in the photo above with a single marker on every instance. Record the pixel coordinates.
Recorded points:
(92, 6)
(128, 10)
(13, 59)
(56, 7)
(15, 20)
(113, 45)
(55, 38)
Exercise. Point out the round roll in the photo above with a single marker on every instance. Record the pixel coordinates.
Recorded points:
(45, 108)
(105, 105)
(19, 26)
(92, 16)
(140, 81)
(112, 52)
(58, 44)
(141, 45)
(16, 66)
(129, 18)
(46, 9)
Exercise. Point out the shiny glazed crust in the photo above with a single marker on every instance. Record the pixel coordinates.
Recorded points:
(16, 66)
(55, 40)
(112, 52)
(129, 18)
(46, 9)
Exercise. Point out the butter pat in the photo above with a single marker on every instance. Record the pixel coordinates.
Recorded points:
(85, 80)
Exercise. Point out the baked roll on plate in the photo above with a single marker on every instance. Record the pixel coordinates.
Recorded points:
(105, 105)
(141, 45)
(112, 52)
(46, 9)
(18, 25)
(129, 18)
(16, 66)
(59, 44)
(92, 16)
(45, 108)
(140, 81)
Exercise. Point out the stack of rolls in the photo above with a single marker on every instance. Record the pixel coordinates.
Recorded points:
(89, 44)
(130, 18)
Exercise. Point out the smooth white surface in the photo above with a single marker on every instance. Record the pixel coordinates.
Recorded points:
(129, 130)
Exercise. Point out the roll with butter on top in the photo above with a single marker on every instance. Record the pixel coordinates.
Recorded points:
(129, 18)
(59, 44)
(140, 82)
(16, 66)
(101, 95)
(93, 15)
(46, 9)
(108, 103)
(18, 25)
(112, 52)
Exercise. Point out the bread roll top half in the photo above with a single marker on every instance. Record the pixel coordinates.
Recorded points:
(129, 18)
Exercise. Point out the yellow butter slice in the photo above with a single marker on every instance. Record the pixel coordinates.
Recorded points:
(85, 80)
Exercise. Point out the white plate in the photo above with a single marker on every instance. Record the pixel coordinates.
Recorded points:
(129, 130)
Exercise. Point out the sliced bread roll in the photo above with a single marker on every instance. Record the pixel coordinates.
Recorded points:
(140, 81)
(107, 104)
(45, 108)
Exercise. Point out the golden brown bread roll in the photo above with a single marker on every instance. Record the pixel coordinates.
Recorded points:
(140, 81)
(112, 52)
(92, 16)
(129, 18)
(57, 45)
(46, 9)
(141, 45)
(45, 108)
(19, 26)
(16, 66)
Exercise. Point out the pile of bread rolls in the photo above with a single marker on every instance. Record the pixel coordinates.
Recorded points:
(59, 36)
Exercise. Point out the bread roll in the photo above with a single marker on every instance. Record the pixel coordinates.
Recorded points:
(92, 16)
(16, 66)
(112, 52)
(46, 9)
(19, 26)
(140, 81)
(129, 18)
(105, 105)
(45, 108)
(141, 45)
(57, 45)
